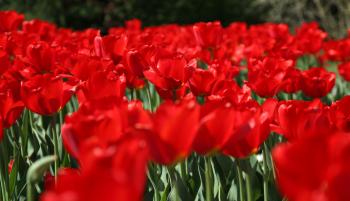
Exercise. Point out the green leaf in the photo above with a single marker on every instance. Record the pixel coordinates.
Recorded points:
(37, 169)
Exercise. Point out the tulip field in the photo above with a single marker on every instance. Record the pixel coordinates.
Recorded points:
(200, 112)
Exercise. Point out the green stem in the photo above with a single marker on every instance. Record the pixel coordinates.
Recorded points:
(172, 176)
(266, 173)
(149, 97)
(30, 194)
(248, 187)
(208, 179)
(183, 169)
(240, 181)
(55, 141)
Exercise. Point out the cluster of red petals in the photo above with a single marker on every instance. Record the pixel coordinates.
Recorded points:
(42, 67)
(318, 137)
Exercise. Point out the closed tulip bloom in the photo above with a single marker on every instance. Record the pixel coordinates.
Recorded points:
(46, 94)
(215, 126)
(115, 173)
(323, 174)
(10, 21)
(344, 70)
(208, 35)
(317, 82)
(296, 120)
(175, 128)
(250, 130)
(41, 56)
(266, 77)
(11, 105)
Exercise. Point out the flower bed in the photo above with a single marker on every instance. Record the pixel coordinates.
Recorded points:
(195, 112)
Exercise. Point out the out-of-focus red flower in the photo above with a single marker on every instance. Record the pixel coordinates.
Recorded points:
(46, 94)
(314, 170)
(336, 50)
(139, 60)
(5, 63)
(175, 128)
(250, 130)
(340, 112)
(10, 21)
(116, 173)
(85, 66)
(115, 46)
(317, 82)
(344, 70)
(295, 119)
(202, 81)
(11, 105)
(10, 165)
(133, 25)
(41, 56)
(49, 179)
(266, 77)
(135, 63)
(269, 106)
(230, 91)
(169, 74)
(215, 126)
(45, 30)
(91, 123)
(103, 85)
(103, 123)
(292, 80)
(208, 35)
(309, 38)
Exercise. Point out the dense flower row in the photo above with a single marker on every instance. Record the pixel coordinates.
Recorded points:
(208, 103)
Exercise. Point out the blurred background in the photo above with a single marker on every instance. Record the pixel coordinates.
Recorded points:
(333, 15)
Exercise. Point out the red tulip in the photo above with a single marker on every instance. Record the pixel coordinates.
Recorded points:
(202, 81)
(230, 91)
(105, 85)
(292, 82)
(340, 113)
(139, 60)
(85, 66)
(250, 130)
(103, 123)
(11, 105)
(297, 120)
(41, 57)
(344, 70)
(91, 123)
(5, 63)
(170, 74)
(49, 179)
(317, 82)
(175, 129)
(10, 165)
(215, 126)
(10, 21)
(309, 38)
(47, 94)
(116, 173)
(266, 77)
(115, 46)
(45, 30)
(314, 169)
(208, 35)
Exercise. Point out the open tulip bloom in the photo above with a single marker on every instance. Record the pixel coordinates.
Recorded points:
(191, 112)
